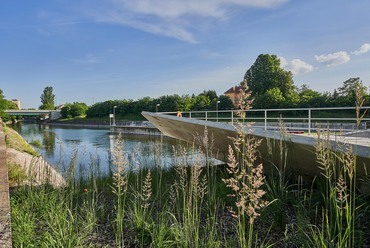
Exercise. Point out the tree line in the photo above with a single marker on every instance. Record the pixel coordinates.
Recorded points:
(270, 87)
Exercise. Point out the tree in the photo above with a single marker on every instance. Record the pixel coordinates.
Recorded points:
(201, 102)
(47, 98)
(211, 94)
(347, 93)
(75, 109)
(265, 74)
(225, 103)
(308, 97)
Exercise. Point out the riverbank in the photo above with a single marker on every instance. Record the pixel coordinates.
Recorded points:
(27, 167)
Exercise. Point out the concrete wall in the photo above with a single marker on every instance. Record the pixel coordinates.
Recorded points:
(5, 228)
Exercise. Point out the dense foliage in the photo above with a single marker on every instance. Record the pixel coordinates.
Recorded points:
(206, 100)
(5, 104)
(75, 109)
(273, 87)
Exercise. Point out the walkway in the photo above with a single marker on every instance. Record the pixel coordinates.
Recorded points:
(5, 227)
(301, 148)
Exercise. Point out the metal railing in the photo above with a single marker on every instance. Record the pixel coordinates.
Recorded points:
(295, 119)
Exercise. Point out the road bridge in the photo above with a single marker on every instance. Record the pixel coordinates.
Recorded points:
(50, 114)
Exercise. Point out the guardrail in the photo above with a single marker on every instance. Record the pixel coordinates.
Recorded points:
(302, 119)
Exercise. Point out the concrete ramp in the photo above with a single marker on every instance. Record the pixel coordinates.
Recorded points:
(301, 157)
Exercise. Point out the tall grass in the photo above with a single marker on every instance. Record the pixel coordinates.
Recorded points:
(195, 203)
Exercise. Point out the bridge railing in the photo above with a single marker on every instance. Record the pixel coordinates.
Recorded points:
(295, 119)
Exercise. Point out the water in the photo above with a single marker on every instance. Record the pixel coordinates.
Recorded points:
(93, 146)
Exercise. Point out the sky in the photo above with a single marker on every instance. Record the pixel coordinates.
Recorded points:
(96, 50)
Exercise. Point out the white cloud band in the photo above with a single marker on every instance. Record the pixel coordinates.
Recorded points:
(363, 49)
(333, 58)
(296, 66)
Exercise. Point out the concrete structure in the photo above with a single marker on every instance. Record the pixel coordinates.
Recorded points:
(301, 157)
(5, 227)
(49, 114)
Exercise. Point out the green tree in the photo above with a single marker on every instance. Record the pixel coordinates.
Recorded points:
(266, 74)
(201, 102)
(4, 105)
(272, 98)
(225, 103)
(73, 110)
(307, 96)
(47, 98)
(211, 94)
(346, 93)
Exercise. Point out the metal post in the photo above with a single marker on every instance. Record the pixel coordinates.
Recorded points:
(309, 121)
(217, 110)
(156, 107)
(114, 115)
(265, 119)
(190, 115)
(232, 117)
(206, 116)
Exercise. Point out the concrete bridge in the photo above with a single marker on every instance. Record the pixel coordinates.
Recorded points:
(49, 114)
(300, 146)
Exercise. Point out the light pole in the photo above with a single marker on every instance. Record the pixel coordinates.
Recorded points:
(156, 107)
(114, 115)
(217, 110)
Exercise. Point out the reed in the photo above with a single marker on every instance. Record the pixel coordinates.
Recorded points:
(187, 206)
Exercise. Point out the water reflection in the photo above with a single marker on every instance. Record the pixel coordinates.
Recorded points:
(91, 148)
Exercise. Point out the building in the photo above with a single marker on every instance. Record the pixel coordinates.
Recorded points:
(236, 95)
(17, 102)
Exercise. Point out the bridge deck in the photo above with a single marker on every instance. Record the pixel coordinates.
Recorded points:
(301, 147)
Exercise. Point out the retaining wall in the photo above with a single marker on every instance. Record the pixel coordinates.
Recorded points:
(5, 227)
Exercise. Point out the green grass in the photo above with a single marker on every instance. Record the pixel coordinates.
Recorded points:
(14, 140)
(189, 206)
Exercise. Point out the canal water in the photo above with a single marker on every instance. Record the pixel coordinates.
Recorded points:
(87, 147)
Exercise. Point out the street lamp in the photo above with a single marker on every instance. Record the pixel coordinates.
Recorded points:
(156, 107)
(114, 115)
(217, 110)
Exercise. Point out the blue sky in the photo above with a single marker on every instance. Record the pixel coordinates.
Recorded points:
(95, 50)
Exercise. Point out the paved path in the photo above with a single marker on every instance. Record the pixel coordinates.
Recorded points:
(5, 228)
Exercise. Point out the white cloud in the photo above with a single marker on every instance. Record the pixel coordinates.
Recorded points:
(171, 18)
(363, 49)
(333, 58)
(178, 8)
(296, 66)
(89, 59)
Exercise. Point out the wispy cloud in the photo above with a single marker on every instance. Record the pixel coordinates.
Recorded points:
(88, 59)
(296, 66)
(363, 49)
(173, 18)
(333, 58)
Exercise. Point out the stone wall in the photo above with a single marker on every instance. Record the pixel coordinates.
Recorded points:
(5, 227)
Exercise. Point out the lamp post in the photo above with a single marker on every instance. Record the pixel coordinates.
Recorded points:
(114, 115)
(217, 110)
(156, 107)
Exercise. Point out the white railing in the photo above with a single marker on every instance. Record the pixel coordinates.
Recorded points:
(295, 119)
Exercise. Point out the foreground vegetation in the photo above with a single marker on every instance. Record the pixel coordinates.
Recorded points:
(196, 204)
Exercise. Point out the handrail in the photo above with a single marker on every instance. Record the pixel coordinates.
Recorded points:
(307, 117)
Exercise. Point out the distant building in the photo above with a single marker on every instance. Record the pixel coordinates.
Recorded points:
(236, 94)
(17, 102)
